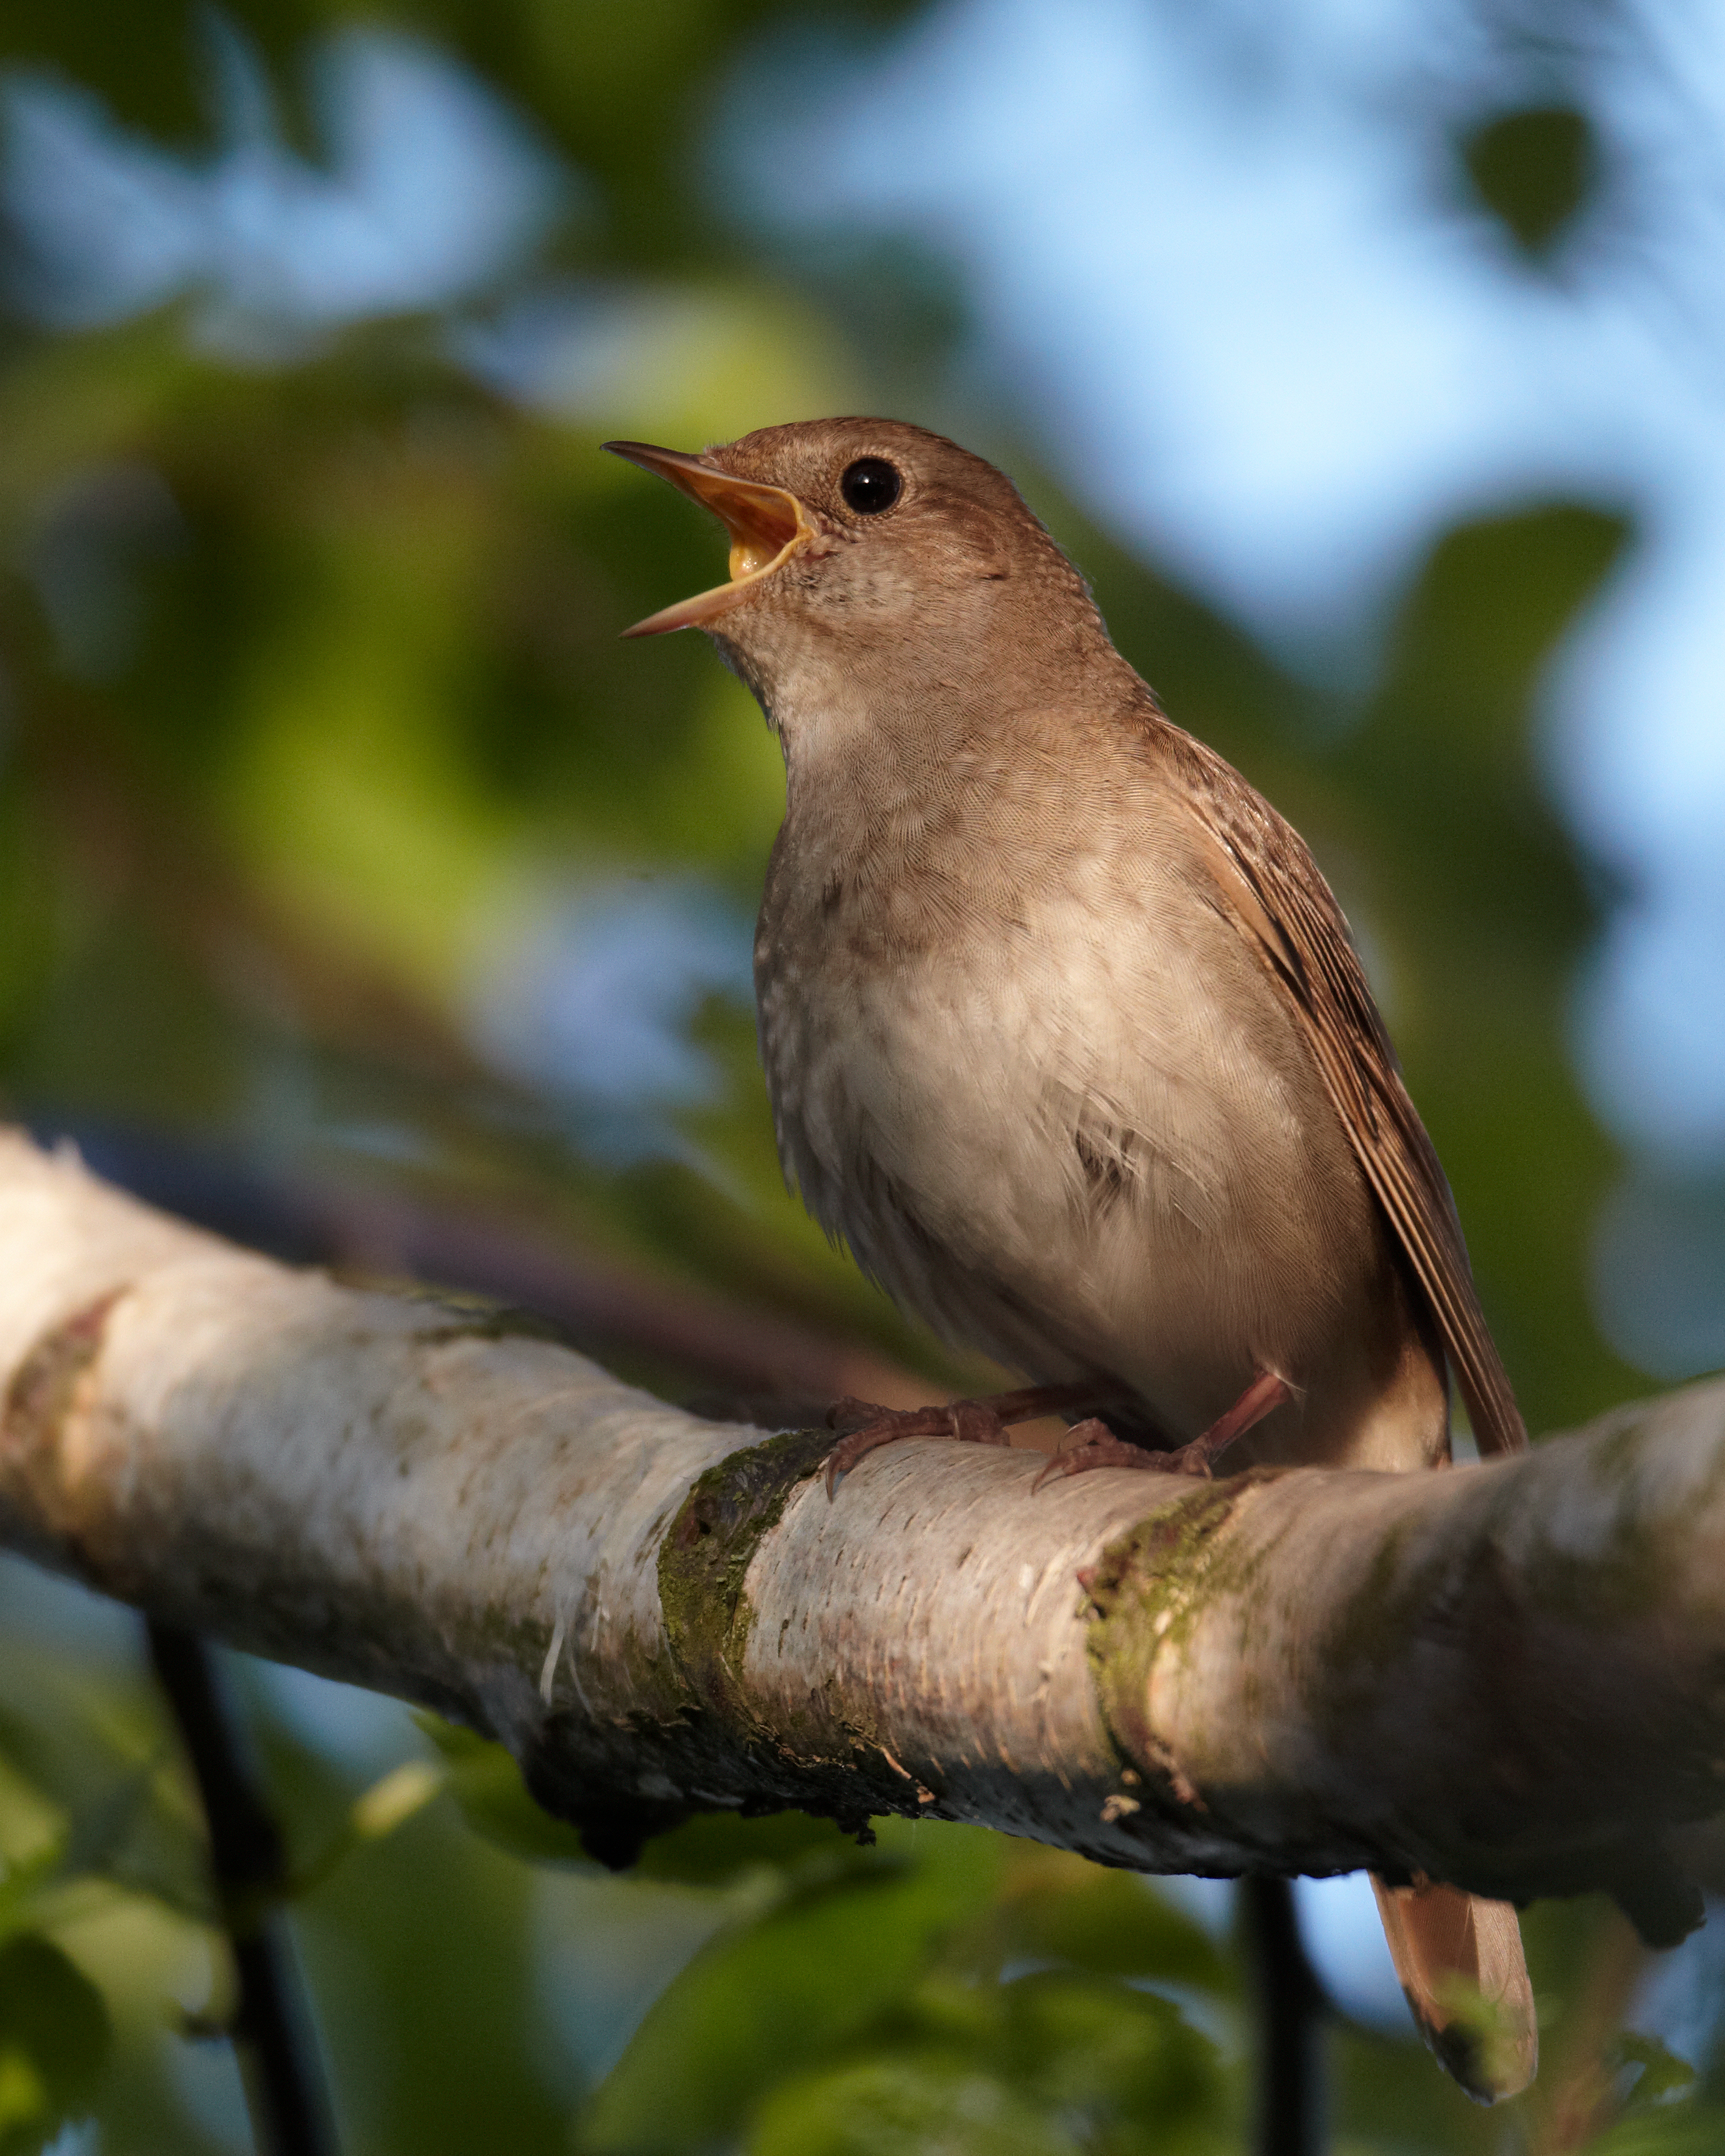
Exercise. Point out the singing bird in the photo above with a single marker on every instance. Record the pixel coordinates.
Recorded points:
(1067, 1039)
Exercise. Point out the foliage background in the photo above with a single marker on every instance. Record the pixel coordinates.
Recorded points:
(357, 886)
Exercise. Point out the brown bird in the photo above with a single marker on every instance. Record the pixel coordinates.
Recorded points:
(1066, 1038)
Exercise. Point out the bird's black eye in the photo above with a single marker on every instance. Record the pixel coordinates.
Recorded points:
(870, 485)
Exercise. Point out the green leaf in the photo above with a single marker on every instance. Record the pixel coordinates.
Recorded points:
(1677, 2130)
(374, 1815)
(905, 2108)
(32, 1842)
(100, 1753)
(53, 2042)
(392, 1800)
(1655, 2073)
(1053, 2062)
(715, 1849)
(763, 1998)
(1532, 170)
(1105, 2049)
(1113, 1923)
(486, 1783)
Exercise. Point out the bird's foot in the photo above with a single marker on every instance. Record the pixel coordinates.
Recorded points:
(1092, 1444)
(970, 1422)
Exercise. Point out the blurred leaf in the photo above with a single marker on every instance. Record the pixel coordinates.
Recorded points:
(23, 1881)
(762, 1999)
(395, 1798)
(100, 1755)
(1059, 1907)
(928, 2106)
(486, 1783)
(1088, 2046)
(716, 1849)
(149, 59)
(423, 1955)
(1387, 2093)
(1532, 170)
(1654, 2073)
(375, 1814)
(33, 1832)
(1676, 2129)
(1049, 2062)
(54, 2039)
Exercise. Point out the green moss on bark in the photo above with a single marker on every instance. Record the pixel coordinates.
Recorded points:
(704, 1557)
(1145, 1590)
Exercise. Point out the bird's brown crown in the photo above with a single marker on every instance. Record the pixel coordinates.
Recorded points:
(810, 458)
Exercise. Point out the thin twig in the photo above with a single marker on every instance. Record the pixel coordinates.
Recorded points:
(290, 2109)
(1289, 2008)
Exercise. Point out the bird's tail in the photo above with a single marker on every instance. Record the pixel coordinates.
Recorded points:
(1460, 1960)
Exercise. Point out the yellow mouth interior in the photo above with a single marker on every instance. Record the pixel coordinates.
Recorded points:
(748, 557)
(763, 523)
(766, 525)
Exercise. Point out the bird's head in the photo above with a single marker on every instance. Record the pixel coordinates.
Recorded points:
(869, 545)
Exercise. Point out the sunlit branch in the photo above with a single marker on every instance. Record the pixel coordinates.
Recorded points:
(1505, 1676)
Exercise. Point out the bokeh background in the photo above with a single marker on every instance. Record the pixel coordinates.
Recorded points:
(361, 896)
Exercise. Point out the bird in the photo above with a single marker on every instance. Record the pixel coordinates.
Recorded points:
(1067, 1039)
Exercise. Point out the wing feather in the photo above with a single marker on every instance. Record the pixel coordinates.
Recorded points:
(1268, 882)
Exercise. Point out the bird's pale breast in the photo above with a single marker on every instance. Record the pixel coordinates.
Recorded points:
(1070, 1124)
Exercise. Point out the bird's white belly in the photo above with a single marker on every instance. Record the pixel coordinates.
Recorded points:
(1062, 1149)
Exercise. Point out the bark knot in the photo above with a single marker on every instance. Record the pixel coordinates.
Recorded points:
(44, 1389)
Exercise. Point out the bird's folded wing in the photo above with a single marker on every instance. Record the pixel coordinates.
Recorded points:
(1269, 885)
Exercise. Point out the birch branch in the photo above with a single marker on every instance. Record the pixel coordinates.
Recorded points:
(1510, 1676)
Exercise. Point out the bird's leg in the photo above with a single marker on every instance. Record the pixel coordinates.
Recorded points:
(1092, 1444)
(972, 1422)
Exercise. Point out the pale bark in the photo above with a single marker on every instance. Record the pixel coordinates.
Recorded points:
(1508, 1676)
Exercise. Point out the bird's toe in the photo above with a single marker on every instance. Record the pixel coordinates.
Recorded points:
(1089, 1444)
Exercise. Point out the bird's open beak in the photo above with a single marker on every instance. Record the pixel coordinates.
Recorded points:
(766, 525)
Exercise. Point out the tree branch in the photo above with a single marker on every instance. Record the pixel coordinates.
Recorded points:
(285, 2091)
(1507, 1676)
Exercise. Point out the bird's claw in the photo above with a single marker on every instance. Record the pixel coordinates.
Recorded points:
(971, 1422)
(1092, 1444)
